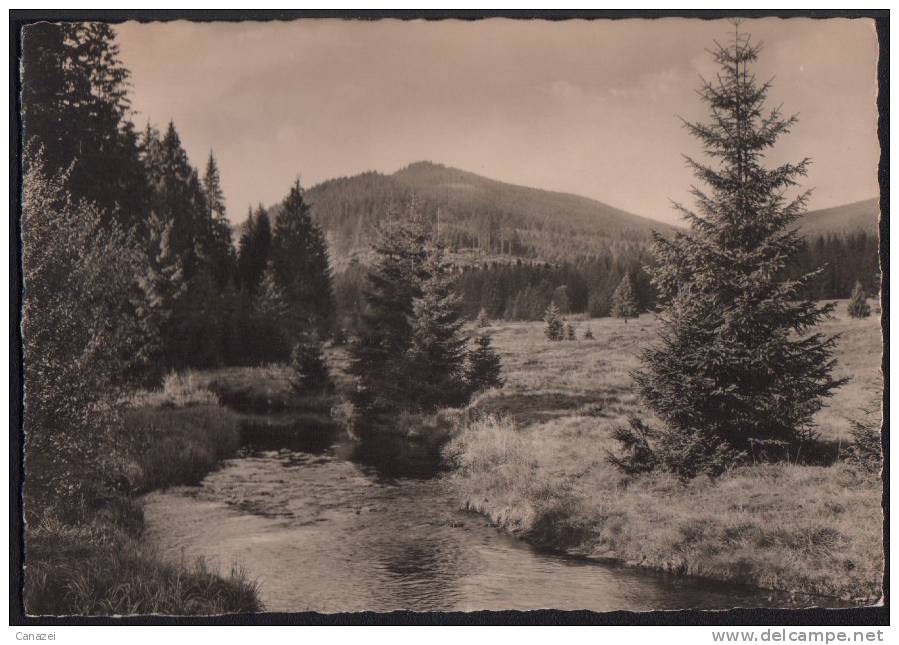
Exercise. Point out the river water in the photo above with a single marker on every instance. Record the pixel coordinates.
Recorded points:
(321, 532)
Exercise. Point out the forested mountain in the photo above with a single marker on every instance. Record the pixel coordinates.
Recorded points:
(478, 217)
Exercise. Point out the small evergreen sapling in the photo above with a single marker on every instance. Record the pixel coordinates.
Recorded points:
(588, 334)
(483, 319)
(553, 322)
(484, 368)
(570, 332)
(858, 303)
(624, 302)
(308, 366)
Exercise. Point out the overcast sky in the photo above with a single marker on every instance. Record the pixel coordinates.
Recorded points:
(588, 107)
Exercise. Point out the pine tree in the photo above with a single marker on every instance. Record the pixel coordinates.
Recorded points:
(570, 332)
(588, 334)
(858, 303)
(483, 318)
(738, 362)
(624, 303)
(436, 358)
(301, 263)
(484, 369)
(553, 322)
(309, 367)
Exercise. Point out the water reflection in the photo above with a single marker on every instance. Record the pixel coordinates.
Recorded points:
(320, 531)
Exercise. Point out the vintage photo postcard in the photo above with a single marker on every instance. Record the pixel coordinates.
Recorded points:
(337, 315)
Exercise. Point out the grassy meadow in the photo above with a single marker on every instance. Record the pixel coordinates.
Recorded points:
(535, 462)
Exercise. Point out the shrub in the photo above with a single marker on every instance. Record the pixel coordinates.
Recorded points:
(179, 390)
(588, 334)
(570, 332)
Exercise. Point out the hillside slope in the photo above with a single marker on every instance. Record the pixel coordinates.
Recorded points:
(483, 219)
(839, 220)
(478, 217)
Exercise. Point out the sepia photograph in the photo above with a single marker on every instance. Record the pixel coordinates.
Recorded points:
(340, 315)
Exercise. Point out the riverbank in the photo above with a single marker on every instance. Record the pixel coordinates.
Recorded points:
(535, 462)
(99, 564)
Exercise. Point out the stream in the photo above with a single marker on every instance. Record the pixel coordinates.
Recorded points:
(320, 531)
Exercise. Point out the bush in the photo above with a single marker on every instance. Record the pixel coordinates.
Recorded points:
(179, 390)
(588, 334)
(570, 332)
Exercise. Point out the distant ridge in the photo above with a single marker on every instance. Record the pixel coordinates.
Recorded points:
(485, 219)
(863, 215)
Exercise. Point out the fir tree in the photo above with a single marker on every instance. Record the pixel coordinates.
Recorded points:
(570, 332)
(738, 362)
(858, 303)
(588, 334)
(309, 367)
(301, 264)
(624, 303)
(553, 322)
(483, 319)
(484, 369)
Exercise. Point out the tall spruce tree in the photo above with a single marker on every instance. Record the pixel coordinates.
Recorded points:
(738, 362)
(301, 264)
(624, 301)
